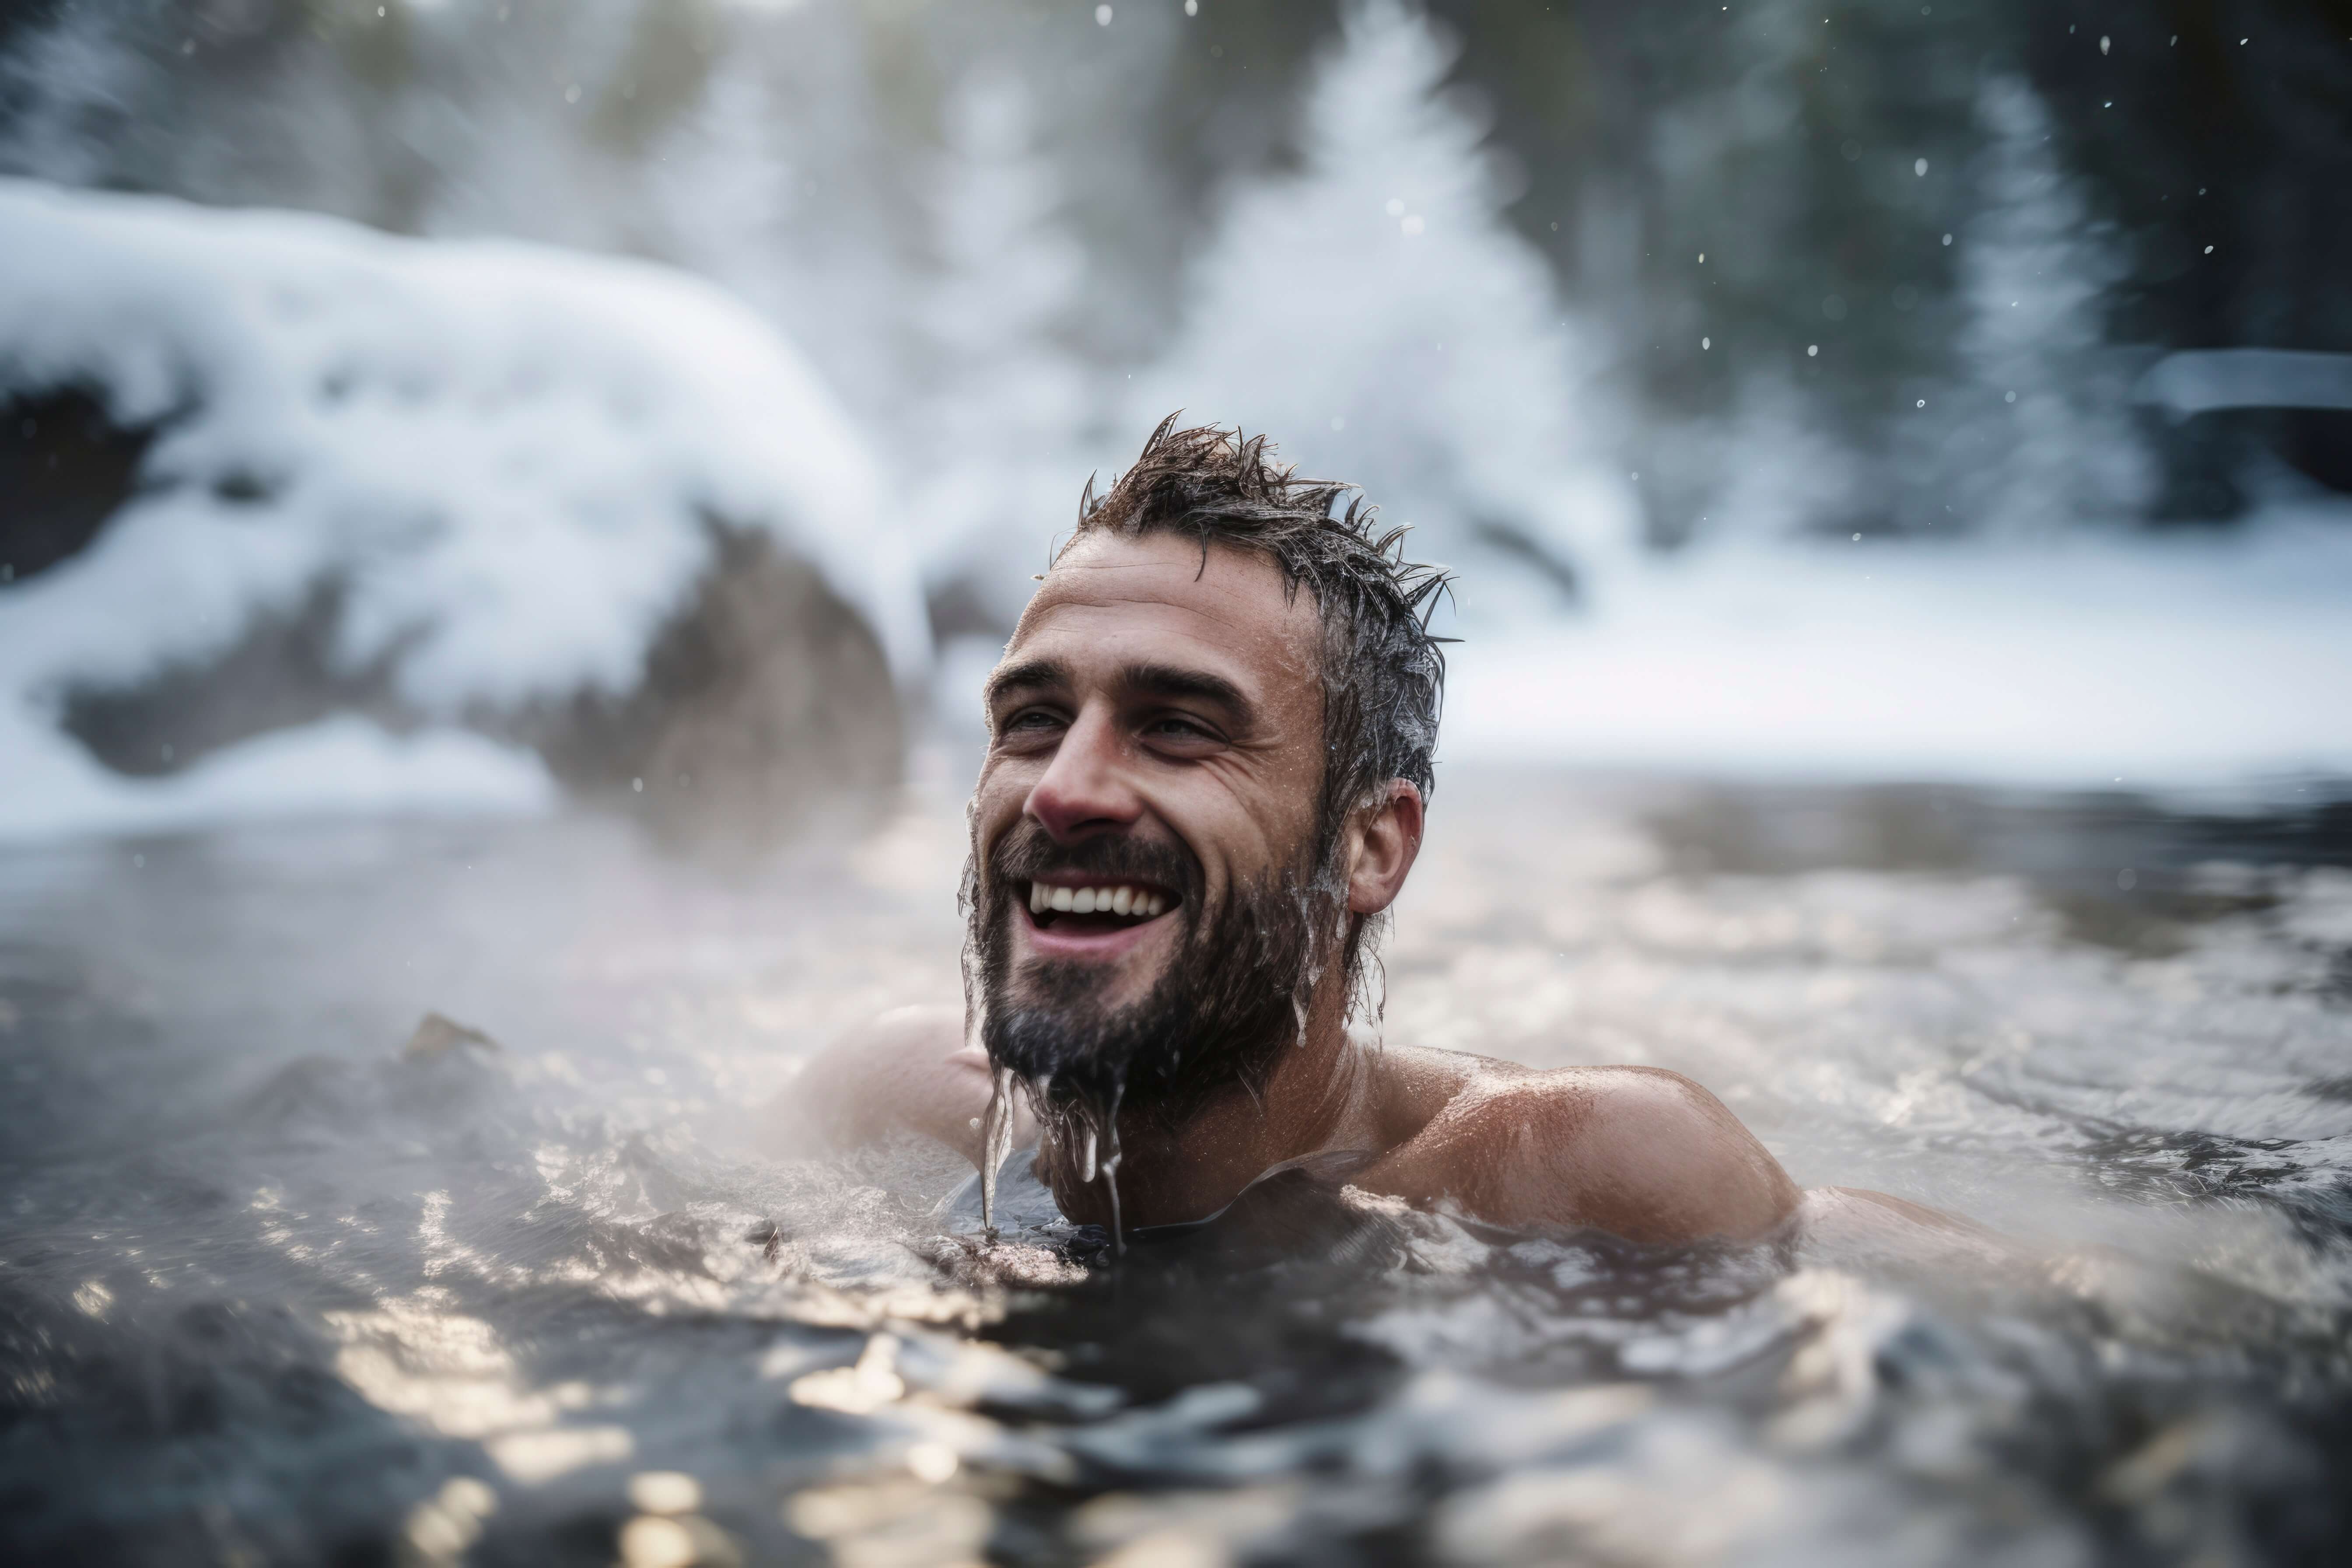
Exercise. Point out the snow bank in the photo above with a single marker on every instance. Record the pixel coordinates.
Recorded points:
(343, 765)
(2082, 660)
(505, 456)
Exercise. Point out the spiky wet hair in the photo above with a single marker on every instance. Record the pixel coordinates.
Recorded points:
(1383, 674)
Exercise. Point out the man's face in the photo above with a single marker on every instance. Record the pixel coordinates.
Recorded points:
(1156, 753)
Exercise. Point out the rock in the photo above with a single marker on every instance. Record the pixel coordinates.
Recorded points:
(436, 1036)
(766, 705)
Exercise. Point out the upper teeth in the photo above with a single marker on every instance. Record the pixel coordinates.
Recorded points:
(1112, 900)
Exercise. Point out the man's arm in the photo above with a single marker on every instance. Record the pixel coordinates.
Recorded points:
(1637, 1151)
(909, 1070)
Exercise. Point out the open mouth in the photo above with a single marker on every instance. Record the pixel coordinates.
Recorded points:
(1096, 907)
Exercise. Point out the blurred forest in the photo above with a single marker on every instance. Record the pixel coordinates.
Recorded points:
(1781, 232)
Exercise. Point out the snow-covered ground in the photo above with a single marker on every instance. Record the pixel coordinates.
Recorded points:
(503, 456)
(2088, 659)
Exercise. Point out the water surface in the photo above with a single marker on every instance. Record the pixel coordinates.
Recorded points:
(273, 1290)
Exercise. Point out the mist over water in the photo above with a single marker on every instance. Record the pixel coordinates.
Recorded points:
(492, 492)
(290, 1277)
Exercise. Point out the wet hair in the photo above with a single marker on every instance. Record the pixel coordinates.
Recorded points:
(1383, 674)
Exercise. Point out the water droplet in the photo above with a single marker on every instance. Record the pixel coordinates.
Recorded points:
(1919, 166)
(1102, 15)
(1812, 350)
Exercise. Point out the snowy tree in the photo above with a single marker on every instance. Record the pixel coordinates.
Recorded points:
(1375, 314)
(2042, 431)
(774, 187)
(1000, 422)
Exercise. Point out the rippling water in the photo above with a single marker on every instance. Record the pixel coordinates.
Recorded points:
(273, 1289)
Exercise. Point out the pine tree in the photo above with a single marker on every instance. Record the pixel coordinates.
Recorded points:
(775, 187)
(2041, 434)
(1001, 422)
(1375, 314)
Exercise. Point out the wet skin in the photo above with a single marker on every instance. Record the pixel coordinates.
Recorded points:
(1151, 694)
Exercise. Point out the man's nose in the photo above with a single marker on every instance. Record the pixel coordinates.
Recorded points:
(1086, 787)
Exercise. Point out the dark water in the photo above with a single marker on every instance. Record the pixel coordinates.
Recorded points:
(273, 1291)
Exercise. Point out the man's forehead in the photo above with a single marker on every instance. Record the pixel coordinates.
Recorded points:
(1160, 586)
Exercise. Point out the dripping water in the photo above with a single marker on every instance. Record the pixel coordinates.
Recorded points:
(996, 1141)
(1111, 1167)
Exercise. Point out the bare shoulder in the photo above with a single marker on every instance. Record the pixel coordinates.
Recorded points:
(1640, 1153)
(909, 1068)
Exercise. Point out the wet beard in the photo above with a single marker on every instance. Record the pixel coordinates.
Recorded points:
(1227, 1007)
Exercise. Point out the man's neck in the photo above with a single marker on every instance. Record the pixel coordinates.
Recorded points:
(1168, 1174)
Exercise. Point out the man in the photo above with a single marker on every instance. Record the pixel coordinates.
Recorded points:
(1209, 759)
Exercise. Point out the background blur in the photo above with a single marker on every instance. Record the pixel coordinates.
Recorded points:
(1860, 388)
(1898, 460)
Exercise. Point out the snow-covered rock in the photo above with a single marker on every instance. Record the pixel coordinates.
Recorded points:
(494, 485)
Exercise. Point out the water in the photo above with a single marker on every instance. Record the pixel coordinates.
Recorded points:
(271, 1290)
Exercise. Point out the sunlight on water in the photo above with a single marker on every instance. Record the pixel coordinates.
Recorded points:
(290, 1275)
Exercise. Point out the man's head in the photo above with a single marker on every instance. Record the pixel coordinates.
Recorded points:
(1211, 742)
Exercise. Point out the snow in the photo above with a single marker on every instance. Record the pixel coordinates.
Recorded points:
(343, 765)
(2083, 660)
(503, 455)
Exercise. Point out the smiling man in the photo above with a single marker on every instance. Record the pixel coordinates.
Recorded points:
(1209, 753)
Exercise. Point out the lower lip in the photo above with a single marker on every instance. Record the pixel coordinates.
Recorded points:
(1057, 942)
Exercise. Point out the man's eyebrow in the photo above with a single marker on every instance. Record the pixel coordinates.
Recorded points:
(1029, 674)
(1158, 679)
(1173, 680)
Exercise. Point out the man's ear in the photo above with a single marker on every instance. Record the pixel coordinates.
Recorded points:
(1387, 838)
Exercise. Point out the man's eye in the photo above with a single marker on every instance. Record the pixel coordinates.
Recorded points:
(1180, 728)
(1031, 719)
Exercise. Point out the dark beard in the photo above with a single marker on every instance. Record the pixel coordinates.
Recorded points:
(1227, 1004)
